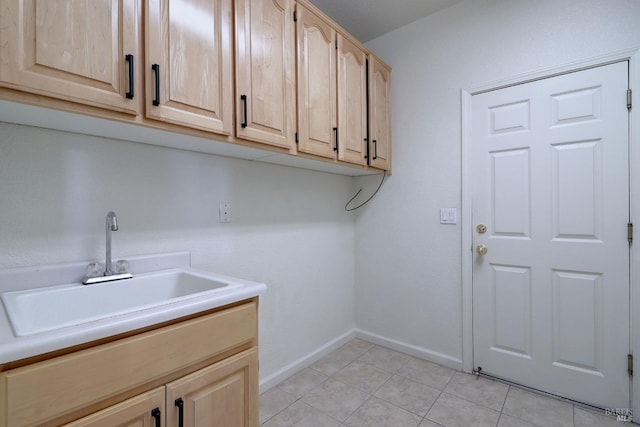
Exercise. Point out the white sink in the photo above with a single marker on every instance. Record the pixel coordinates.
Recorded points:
(45, 309)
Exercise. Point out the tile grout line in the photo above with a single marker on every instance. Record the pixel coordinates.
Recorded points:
(372, 394)
(503, 403)
(434, 402)
(385, 361)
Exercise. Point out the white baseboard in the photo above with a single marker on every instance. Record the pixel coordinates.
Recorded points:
(412, 350)
(306, 361)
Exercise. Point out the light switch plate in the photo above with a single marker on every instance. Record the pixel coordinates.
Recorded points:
(448, 216)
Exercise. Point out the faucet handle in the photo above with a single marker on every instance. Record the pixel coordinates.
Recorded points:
(122, 266)
(94, 270)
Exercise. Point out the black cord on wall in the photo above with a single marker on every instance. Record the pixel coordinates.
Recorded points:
(348, 209)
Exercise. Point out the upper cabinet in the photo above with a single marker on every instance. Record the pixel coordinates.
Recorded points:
(380, 113)
(265, 79)
(317, 84)
(352, 102)
(189, 63)
(277, 75)
(332, 91)
(80, 51)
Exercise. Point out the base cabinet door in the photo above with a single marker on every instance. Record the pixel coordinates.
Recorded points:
(265, 72)
(81, 51)
(222, 395)
(145, 410)
(380, 113)
(189, 63)
(352, 102)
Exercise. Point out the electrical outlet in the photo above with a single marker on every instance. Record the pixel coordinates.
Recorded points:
(225, 212)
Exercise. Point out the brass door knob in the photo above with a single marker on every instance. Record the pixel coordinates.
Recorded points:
(481, 250)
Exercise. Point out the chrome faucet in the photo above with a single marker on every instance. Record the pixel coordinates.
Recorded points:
(93, 276)
(112, 225)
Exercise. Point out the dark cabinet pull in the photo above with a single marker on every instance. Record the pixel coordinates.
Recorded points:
(155, 413)
(180, 404)
(129, 59)
(243, 98)
(156, 100)
(335, 131)
(375, 149)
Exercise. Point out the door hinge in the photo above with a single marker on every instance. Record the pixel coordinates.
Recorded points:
(630, 364)
(295, 16)
(630, 233)
(628, 99)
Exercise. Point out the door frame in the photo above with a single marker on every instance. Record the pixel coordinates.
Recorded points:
(631, 55)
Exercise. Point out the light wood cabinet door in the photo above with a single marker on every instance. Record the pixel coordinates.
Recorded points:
(189, 68)
(380, 113)
(265, 78)
(352, 102)
(317, 88)
(81, 51)
(222, 395)
(145, 410)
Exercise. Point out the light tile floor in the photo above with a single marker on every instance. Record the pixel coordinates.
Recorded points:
(365, 385)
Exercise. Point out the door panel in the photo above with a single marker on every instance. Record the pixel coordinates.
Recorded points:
(511, 195)
(577, 308)
(550, 297)
(511, 309)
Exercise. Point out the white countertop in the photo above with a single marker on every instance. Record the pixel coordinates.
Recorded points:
(14, 347)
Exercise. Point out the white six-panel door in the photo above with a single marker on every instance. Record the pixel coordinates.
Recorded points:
(551, 185)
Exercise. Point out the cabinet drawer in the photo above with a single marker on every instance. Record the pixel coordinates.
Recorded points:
(56, 387)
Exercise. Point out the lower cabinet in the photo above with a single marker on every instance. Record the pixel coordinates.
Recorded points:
(216, 396)
(201, 371)
(145, 410)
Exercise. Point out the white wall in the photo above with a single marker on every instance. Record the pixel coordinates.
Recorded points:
(289, 228)
(408, 266)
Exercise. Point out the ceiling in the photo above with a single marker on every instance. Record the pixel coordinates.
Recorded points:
(368, 19)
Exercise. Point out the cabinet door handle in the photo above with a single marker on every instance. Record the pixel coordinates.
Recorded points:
(129, 59)
(244, 123)
(156, 100)
(180, 404)
(375, 149)
(155, 413)
(335, 131)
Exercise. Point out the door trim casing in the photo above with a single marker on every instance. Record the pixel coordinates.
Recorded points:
(466, 94)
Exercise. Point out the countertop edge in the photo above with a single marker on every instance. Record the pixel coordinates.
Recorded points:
(18, 348)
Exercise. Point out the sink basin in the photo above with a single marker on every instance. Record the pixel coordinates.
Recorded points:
(45, 309)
